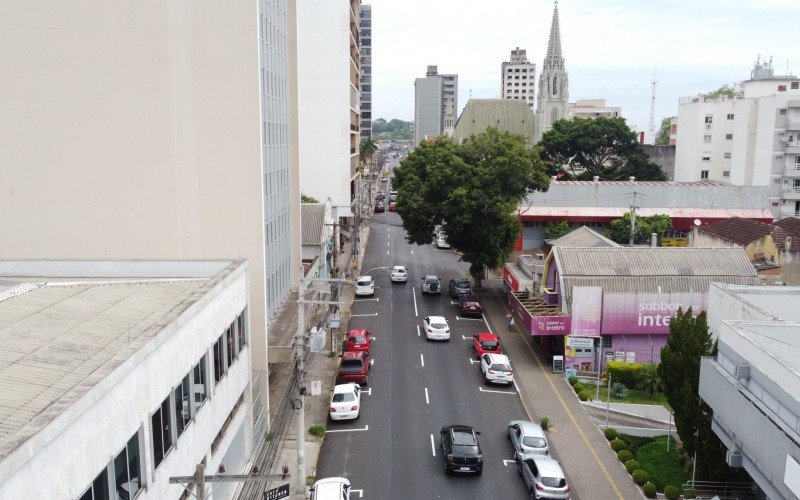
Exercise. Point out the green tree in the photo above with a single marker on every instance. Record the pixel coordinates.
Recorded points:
(304, 198)
(393, 129)
(724, 91)
(680, 375)
(555, 230)
(366, 149)
(474, 189)
(662, 137)
(604, 147)
(647, 378)
(619, 230)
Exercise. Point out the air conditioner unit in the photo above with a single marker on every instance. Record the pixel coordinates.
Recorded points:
(743, 372)
(733, 458)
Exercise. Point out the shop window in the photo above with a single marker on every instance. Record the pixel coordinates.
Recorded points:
(182, 407)
(126, 470)
(161, 433)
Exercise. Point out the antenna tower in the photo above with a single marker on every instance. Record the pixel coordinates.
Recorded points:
(653, 82)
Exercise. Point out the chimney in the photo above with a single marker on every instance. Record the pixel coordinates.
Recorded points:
(653, 240)
(596, 178)
(631, 178)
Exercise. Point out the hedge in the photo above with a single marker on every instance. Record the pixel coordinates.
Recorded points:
(690, 493)
(640, 476)
(623, 372)
(585, 395)
(649, 490)
(618, 445)
(610, 433)
(632, 465)
(573, 380)
(578, 388)
(672, 492)
(624, 456)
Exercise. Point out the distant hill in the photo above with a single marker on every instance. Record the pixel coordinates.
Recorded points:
(393, 129)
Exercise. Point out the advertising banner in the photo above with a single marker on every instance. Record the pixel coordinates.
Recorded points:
(632, 313)
(510, 279)
(550, 325)
(587, 303)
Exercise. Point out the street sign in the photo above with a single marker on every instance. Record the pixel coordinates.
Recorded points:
(558, 364)
(316, 387)
(277, 493)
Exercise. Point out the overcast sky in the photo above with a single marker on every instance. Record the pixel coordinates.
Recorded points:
(612, 48)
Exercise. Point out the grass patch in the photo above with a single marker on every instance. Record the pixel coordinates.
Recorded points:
(664, 467)
(635, 396)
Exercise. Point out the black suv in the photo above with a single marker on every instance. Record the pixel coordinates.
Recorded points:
(461, 450)
(458, 286)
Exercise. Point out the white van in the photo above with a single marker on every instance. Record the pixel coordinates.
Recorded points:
(365, 285)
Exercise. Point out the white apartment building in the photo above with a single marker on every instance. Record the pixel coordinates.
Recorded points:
(592, 108)
(153, 132)
(750, 139)
(328, 100)
(365, 44)
(118, 376)
(435, 104)
(517, 78)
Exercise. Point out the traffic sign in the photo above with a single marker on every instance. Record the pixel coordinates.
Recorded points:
(277, 493)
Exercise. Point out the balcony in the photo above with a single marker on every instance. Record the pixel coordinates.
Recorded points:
(791, 193)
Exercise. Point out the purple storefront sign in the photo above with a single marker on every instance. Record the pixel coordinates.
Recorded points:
(587, 303)
(643, 313)
(550, 325)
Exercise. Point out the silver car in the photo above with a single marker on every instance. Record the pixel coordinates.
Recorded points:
(527, 439)
(543, 478)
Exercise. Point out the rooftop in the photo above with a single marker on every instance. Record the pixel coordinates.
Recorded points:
(777, 301)
(312, 220)
(738, 230)
(584, 237)
(779, 341)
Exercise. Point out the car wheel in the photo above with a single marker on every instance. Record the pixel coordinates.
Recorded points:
(519, 469)
(479, 471)
(446, 468)
(533, 495)
(366, 380)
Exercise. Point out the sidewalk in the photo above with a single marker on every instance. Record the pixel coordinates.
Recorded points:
(583, 451)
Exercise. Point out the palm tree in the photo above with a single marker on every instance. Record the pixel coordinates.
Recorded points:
(366, 149)
(648, 379)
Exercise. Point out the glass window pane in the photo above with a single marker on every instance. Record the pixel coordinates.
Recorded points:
(242, 333)
(87, 495)
(166, 431)
(231, 346)
(180, 400)
(219, 366)
(100, 486)
(199, 385)
(158, 445)
(133, 465)
(121, 475)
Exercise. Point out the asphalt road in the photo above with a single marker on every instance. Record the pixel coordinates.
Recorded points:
(416, 387)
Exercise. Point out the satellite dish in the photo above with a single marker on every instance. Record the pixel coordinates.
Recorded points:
(697, 222)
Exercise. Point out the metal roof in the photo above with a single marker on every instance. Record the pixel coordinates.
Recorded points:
(737, 230)
(312, 220)
(617, 212)
(510, 115)
(584, 237)
(58, 340)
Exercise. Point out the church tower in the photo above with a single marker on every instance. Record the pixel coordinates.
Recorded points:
(551, 103)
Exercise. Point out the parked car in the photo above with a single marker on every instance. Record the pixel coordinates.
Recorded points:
(357, 340)
(355, 367)
(461, 450)
(380, 207)
(527, 439)
(441, 241)
(458, 286)
(380, 196)
(497, 369)
(485, 342)
(543, 478)
(345, 402)
(399, 274)
(393, 206)
(331, 488)
(365, 285)
(436, 328)
(392, 195)
(431, 284)
(469, 304)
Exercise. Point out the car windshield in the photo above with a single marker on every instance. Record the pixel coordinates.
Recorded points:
(399, 269)
(351, 365)
(462, 284)
(438, 326)
(464, 449)
(358, 338)
(500, 367)
(489, 344)
(534, 442)
(364, 282)
(554, 482)
(344, 397)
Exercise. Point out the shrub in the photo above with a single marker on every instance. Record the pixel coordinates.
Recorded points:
(632, 465)
(610, 433)
(316, 431)
(640, 476)
(672, 492)
(690, 493)
(649, 490)
(573, 380)
(545, 423)
(618, 445)
(665, 467)
(622, 372)
(578, 387)
(618, 390)
(624, 456)
(584, 395)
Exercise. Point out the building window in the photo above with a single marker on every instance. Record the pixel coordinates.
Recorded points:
(706, 138)
(240, 331)
(161, 433)
(726, 173)
(709, 119)
(730, 116)
(704, 174)
(727, 155)
(606, 341)
(199, 385)
(795, 85)
(182, 406)
(729, 136)
(535, 223)
(797, 161)
(219, 358)
(525, 70)
(782, 112)
(231, 339)
(127, 469)
(99, 488)
(781, 88)
(706, 156)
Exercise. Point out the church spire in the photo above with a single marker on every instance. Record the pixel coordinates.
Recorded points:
(554, 45)
(551, 101)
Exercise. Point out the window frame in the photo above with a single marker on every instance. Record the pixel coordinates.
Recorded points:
(162, 432)
(704, 174)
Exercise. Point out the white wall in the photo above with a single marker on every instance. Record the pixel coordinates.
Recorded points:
(62, 460)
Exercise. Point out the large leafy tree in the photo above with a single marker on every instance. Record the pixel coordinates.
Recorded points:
(474, 189)
(604, 147)
(619, 230)
(679, 372)
(662, 137)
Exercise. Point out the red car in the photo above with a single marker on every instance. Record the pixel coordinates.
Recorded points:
(469, 304)
(486, 342)
(354, 368)
(379, 207)
(357, 340)
(392, 206)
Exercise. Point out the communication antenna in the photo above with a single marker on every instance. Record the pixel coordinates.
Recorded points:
(653, 83)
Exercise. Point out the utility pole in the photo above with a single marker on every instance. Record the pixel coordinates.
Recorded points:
(199, 479)
(299, 356)
(633, 219)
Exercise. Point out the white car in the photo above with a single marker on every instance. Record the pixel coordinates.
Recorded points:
(441, 241)
(345, 402)
(331, 488)
(496, 368)
(399, 274)
(436, 328)
(365, 285)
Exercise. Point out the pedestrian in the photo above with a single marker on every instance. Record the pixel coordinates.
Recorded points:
(510, 320)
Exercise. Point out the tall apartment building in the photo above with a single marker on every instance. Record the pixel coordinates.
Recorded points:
(329, 103)
(517, 78)
(591, 108)
(365, 43)
(551, 101)
(435, 104)
(180, 149)
(749, 139)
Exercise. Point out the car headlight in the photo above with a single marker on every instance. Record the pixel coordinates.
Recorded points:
(480, 458)
(449, 456)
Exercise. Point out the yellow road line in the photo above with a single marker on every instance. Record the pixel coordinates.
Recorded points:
(571, 416)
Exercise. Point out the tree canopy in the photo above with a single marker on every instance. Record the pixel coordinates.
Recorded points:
(473, 189)
(724, 91)
(619, 230)
(394, 129)
(662, 137)
(555, 230)
(604, 147)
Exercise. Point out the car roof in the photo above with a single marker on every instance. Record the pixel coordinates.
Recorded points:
(431, 276)
(470, 297)
(330, 487)
(343, 388)
(442, 319)
(548, 467)
(461, 280)
(463, 434)
(355, 355)
(529, 428)
(487, 336)
(497, 358)
(365, 277)
(399, 267)
(357, 331)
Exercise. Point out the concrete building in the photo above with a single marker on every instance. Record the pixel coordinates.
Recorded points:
(118, 375)
(591, 108)
(506, 115)
(435, 104)
(365, 48)
(596, 203)
(752, 384)
(517, 78)
(551, 101)
(750, 139)
(329, 102)
(181, 149)
(663, 156)
(318, 245)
